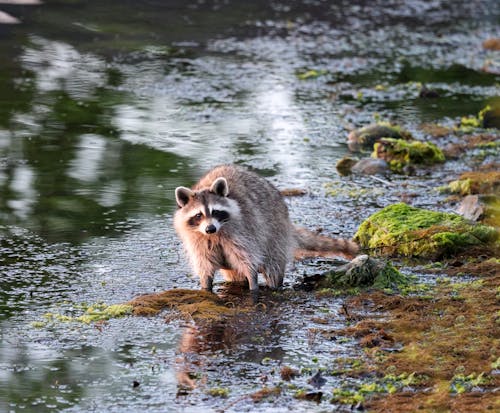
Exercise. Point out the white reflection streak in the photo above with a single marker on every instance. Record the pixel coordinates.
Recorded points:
(22, 184)
(58, 65)
(87, 163)
(274, 105)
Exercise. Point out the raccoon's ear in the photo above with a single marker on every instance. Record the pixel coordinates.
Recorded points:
(220, 187)
(182, 195)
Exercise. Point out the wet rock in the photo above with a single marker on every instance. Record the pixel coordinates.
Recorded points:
(427, 93)
(367, 136)
(471, 208)
(492, 44)
(488, 118)
(317, 380)
(401, 154)
(371, 166)
(435, 130)
(363, 271)
(491, 118)
(402, 230)
(474, 182)
(344, 165)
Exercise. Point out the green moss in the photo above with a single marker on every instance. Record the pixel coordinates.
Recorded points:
(218, 392)
(403, 230)
(474, 182)
(104, 312)
(364, 271)
(311, 74)
(471, 122)
(399, 153)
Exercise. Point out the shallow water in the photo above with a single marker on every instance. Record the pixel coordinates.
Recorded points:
(106, 107)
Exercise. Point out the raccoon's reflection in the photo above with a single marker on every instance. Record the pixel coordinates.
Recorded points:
(254, 333)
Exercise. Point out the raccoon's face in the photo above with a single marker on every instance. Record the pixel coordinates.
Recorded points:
(206, 211)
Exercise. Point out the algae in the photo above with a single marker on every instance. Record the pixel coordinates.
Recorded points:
(400, 153)
(197, 305)
(94, 313)
(402, 230)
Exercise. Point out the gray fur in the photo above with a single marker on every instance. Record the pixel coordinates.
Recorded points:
(257, 237)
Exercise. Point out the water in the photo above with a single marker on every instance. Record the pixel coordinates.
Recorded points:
(106, 107)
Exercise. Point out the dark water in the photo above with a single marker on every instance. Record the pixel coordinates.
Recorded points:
(106, 107)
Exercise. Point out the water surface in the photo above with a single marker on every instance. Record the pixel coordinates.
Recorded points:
(106, 107)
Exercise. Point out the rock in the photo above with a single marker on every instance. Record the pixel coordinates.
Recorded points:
(491, 117)
(427, 93)
(483, 208)
(400, 154)
(362, 271)
(371, 166)
(402, 230)
(471, 208)
(492, 44)
(344, 165)
(474, 182)
(366, 137)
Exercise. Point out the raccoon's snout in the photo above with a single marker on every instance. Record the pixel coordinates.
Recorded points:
(211, 229)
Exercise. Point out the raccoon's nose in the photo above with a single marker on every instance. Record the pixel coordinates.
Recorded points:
(210, 229)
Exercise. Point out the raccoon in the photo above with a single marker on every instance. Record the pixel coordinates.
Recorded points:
(237, 222)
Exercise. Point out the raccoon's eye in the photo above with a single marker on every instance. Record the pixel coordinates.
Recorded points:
(220, 215)
(198, 215)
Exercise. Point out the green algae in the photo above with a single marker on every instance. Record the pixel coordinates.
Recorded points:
(93, 313)
(311, 74)
(400, 153)
(402, 230)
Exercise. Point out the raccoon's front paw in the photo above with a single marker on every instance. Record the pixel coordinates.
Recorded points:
(206, 283)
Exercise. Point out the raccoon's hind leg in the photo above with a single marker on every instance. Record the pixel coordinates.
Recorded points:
(274, 276)
(232, 276)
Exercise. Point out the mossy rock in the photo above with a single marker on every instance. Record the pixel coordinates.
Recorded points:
(402, 230)
(400, 153)
(488, 118)
(363, 271)
(474, 183)
(366, 137)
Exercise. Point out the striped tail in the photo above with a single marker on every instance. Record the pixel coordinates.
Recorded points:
(310, 244)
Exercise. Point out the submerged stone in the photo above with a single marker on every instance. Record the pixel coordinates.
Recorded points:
(400, 153)
(371, 166)
(402, 230)
(344, 165)
(366, 137)
(363, 271)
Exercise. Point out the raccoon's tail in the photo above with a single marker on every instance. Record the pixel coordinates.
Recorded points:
(309, 243)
